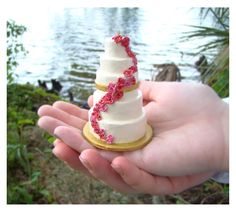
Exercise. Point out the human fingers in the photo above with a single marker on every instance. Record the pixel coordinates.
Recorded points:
(101, 169)
(47, 110)
(72, 109)
(145, 182)
(72, 137)
(90, 101)
(49, 124)
(69, 156)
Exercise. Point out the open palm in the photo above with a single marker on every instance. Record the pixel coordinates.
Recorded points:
(188, 145)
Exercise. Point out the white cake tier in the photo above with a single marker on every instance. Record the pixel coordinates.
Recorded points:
(105, 78)
(128, 107)
(124, 131)
(113, 49)
(114, 64)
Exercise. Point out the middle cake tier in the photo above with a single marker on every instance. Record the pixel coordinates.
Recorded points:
(114, 64)
(128, 107)
(111, 68)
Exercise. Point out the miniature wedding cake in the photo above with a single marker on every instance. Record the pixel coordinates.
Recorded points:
(117, 120)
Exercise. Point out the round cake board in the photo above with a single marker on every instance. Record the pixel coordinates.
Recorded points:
(118, 147)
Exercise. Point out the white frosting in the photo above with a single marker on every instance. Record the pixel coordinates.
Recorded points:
(113, 49)
(98, 94)
(107, 77)
(124, 131)
(126, 118)
(114, 64)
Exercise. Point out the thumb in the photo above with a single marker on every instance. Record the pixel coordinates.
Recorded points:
(90, 101)
(149, 90)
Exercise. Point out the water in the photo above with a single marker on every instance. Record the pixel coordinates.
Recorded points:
(65, 43)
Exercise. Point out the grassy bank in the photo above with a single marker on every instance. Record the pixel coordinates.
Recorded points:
(23, 179)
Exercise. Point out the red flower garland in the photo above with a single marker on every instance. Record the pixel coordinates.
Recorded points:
(115, 91)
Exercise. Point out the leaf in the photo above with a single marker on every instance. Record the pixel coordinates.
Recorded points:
(24, 122)
(216, 45)
(35, 176)
(51, 139)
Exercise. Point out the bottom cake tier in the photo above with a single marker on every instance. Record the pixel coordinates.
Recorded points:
(101, 144)
(123, 131)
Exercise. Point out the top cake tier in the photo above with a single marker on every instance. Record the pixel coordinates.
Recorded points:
(113, 62)
(113, 49)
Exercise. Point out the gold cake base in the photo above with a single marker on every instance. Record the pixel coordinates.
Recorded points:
(118, 147)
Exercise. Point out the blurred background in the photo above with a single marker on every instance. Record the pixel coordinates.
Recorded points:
(53, 53)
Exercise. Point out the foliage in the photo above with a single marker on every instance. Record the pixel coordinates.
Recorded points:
(221, 37)
(23, 179)
(28, 192)
(14, 47)
(216, 74)
(219, 16)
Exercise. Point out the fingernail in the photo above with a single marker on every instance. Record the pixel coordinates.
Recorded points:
(85, 163)
(53, 151)
(59, 132)
(118, 169)
(66, 163)
(56, 142)
(56, 135)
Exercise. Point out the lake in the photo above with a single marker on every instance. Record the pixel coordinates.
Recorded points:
(65, 43)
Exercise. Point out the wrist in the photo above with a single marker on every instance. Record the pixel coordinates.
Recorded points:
(225, 132)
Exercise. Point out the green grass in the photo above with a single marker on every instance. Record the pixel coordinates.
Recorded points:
(23, 180)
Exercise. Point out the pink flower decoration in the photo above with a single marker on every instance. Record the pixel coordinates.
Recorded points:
(109, 139)
(104, 108)
(117, 38)
(110, 101)
(125, 42)
(134, 60)
(121, 82)
(133, 69)
(128, 73)
(118, 95)
(99, 117)
(102, 134)
(92, 118)
(127, 83)
(111, 87)
(96, 129)
(130, 53)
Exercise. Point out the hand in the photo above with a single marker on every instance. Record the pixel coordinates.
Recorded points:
(190, 140)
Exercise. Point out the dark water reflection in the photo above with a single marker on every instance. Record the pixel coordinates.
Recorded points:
(67, 43)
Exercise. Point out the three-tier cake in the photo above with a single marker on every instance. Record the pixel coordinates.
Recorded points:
(117, 120)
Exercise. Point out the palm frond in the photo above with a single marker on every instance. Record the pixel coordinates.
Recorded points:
(220, 16)
(216, 44)
(203, 31)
